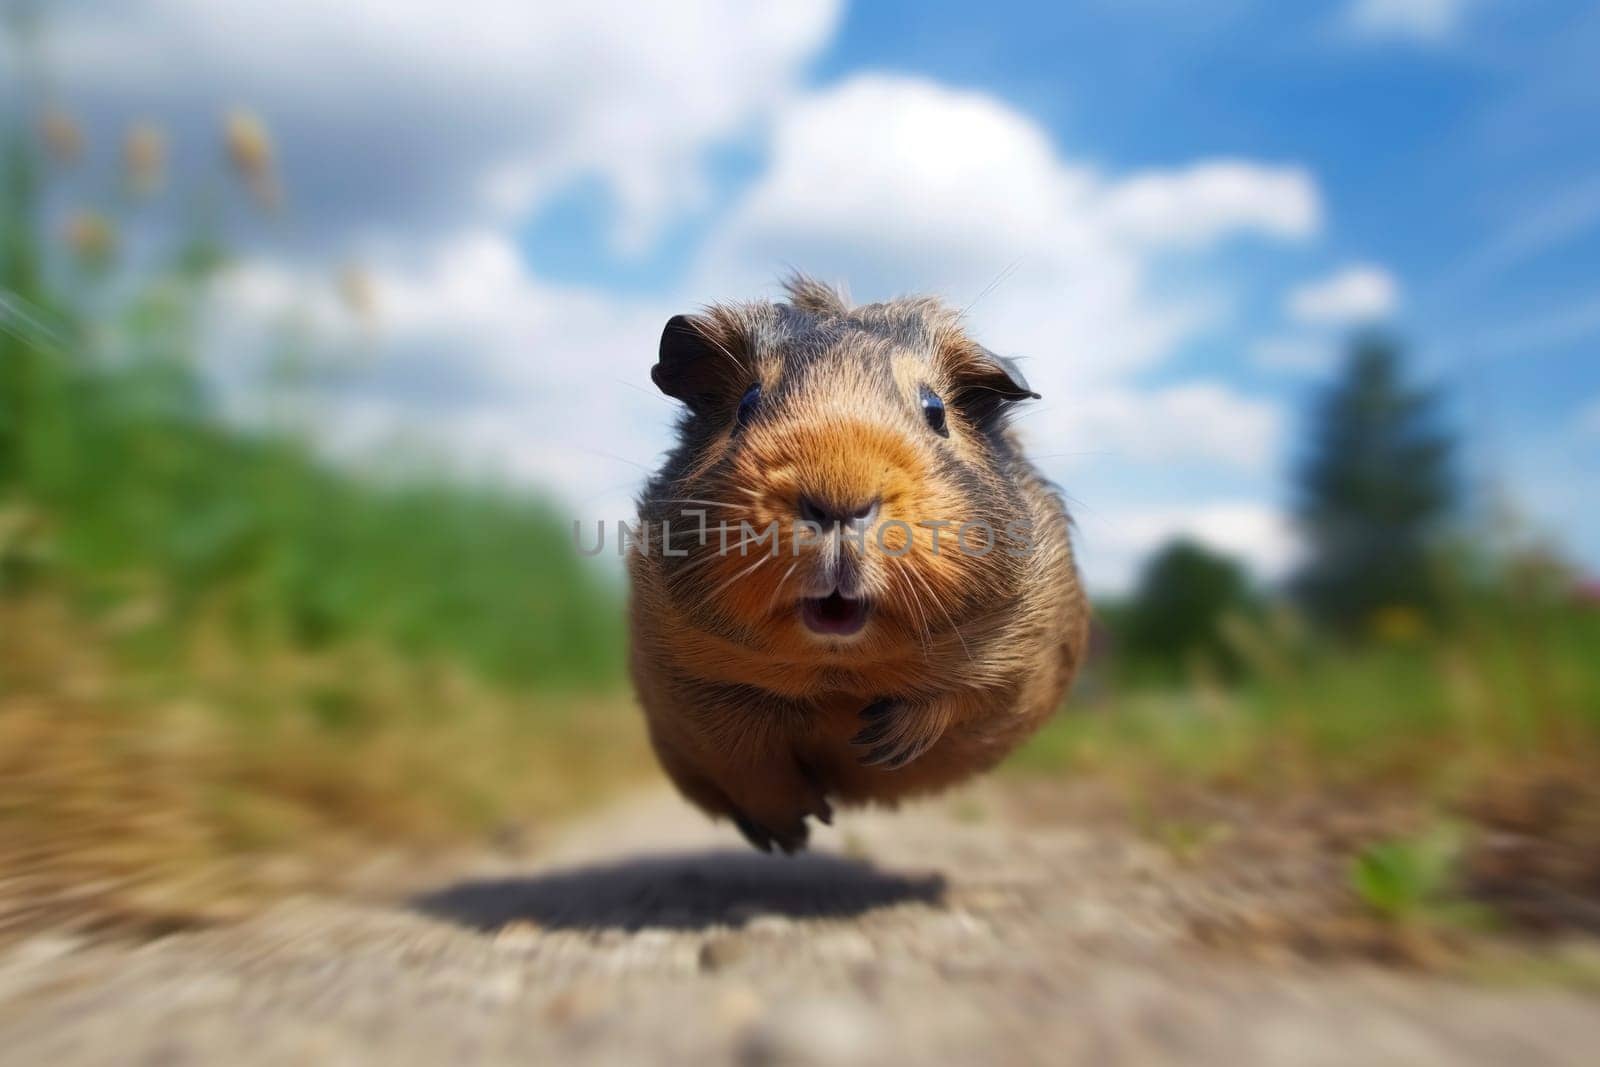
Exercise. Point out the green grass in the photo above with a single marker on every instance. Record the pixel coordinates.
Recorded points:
(1511, 683)
(1412, 880)
(1481, 734)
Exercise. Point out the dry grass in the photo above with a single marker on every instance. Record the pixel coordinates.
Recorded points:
(1469, 761)
(198, 788)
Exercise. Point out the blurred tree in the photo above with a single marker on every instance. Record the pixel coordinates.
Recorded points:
(1375, 487)
(1184, 593)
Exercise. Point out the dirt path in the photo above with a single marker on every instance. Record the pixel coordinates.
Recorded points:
(950, 933)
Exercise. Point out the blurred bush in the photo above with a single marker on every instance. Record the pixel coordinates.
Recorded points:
(1175, 619)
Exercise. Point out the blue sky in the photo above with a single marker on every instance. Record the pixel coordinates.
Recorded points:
(1183, 208)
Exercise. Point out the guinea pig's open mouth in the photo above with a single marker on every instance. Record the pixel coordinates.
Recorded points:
(835, 614)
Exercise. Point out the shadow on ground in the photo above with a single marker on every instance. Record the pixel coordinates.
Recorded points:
(687, 891)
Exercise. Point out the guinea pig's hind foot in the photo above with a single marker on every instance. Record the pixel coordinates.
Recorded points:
(790, 838)
(895, 734)
(772, 808)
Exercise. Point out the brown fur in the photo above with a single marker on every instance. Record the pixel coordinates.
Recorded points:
(753, 715)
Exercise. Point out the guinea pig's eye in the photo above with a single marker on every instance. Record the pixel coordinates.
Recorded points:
(748, 404)
(933, 411)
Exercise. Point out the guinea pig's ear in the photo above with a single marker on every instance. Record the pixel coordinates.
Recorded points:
(987, 384)
(1007, 379)
(693, 364)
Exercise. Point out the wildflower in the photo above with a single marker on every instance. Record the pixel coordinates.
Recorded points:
(357, 291)
(91, 237)
(249, 149)
(1397, 624)
(63, 137)
(144, 157)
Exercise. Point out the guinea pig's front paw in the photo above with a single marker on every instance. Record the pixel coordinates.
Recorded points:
(895, 733)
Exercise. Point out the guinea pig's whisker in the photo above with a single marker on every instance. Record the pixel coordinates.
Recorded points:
(915, 602)
(603, 454)
(925, 631)
(651, 393)
(940, 605)
(712, 557)
(607, 491)
(748, 570)
(1060, 455)
(1030, 413)
(710, 532)
(683, 549)
(999, 280)
(772, 605)
(695, 565)
(691, 536)
(720, 347)
(708, 527)
(698, 500)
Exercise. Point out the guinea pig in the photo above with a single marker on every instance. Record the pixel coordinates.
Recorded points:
(848, 583)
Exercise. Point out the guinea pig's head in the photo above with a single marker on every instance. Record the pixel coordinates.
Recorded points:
(844, 481)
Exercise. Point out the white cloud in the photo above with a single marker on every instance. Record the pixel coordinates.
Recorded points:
(483, 361)
(1115, 543)
(1418, 20)
(881, 154)
(1202, 422)
(406, 113)
(899, 184)
(1205, 201)
(1356, 294)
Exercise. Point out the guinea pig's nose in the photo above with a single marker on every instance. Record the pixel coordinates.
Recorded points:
(826, 513)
